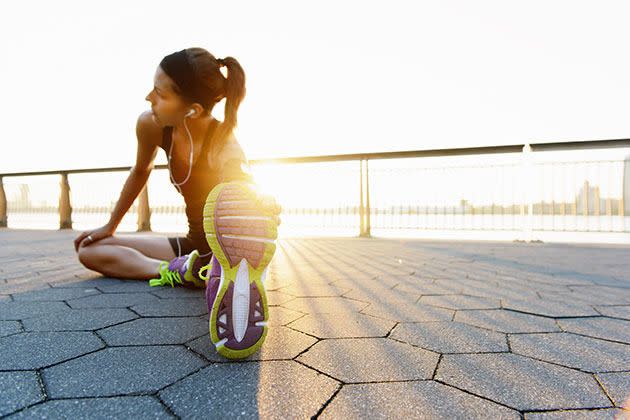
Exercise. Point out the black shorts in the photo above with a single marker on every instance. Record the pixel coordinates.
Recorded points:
(188, 245)
(185, 243)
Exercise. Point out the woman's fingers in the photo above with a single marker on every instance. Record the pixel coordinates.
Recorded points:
(93, 237)
(79, 239)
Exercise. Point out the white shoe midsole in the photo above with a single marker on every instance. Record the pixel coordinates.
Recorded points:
(240, 301)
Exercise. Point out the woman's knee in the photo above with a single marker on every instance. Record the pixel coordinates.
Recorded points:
(91, 256)
(86, 256)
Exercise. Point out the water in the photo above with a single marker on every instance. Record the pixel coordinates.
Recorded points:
(548, 228)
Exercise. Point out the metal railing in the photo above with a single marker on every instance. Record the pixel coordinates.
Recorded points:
(418, 185)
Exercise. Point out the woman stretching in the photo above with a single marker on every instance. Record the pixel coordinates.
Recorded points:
(231, 227)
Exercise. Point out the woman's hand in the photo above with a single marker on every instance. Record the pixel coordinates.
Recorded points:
(94, 235)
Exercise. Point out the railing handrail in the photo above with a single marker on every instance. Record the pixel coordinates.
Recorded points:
(457, 151)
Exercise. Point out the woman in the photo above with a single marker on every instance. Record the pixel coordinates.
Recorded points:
(203, 152)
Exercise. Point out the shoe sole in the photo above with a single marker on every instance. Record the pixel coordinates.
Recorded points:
(242, 239)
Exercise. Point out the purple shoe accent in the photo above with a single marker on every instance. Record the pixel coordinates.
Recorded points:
(177, 264)
(214, 278)
(215, 267)
(211, 292)
(253, 332)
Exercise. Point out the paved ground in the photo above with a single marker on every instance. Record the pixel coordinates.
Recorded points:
(359, 328)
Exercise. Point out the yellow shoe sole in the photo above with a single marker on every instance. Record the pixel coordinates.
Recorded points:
(241, 235)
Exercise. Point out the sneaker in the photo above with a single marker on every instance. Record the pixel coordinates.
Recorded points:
(213, 279)
(241, 234)
(180, 270)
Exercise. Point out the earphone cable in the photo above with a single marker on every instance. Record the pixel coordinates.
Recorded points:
(177, 185)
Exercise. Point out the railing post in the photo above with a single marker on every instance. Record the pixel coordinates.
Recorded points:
(144, 211)
(65, 209)
(361, 209)
(528, 221)
(367, 199)
(3, 206)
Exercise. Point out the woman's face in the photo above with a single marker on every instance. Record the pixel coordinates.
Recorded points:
(167, 106)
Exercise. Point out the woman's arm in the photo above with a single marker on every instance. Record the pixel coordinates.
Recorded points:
(236, 170)
(236, 167)
(234, 163)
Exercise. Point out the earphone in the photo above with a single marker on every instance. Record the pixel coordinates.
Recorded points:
(190, 112)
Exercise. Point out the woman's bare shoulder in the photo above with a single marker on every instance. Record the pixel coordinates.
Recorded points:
(147, 130)
(232, 150)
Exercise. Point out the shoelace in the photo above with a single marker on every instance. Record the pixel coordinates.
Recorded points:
(206, 268)
(166, 276)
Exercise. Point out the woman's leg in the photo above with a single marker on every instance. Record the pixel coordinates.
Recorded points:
(128, 256)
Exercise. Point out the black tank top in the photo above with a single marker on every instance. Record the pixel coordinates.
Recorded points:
(201, 181)
(195, 190)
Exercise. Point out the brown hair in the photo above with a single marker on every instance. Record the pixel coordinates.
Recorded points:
(207, 69)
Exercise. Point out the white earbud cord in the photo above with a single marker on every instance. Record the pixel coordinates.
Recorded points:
(177, 185)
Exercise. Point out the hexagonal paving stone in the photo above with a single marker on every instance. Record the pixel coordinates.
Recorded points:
(275, 297)
(280, 343)
(113, 300)
(574, 278)
(349, 325)
(25, 286)
(587, 297)
(597, 414)
(617, 384)
(549, 307)
(279, 389)
(424, 288)
(460, 302)
(9, 327)
(70, 282)
(604, 292)
(23, 310)
(506, 321)
(585, 353)
(325, 305)
(520, 382)
(615, 311)
(126, 286)
(370, 359)
(500, 290)
(381, 294)
(140, 407)
(79, 319)
(154, 331)
(599, 327)
(282, 316)
(137, 369)
(33, 350)
(310, 289)
(450, 337)
(178, 292)
(52, 294)
(173, 307)
(408, 312)
(411, 400)
(18, 390)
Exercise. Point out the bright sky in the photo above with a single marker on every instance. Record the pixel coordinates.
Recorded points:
(322, 77)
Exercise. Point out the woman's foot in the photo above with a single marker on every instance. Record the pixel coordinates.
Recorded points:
(241, 234)
(181, 270)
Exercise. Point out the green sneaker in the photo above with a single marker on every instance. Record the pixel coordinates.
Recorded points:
(180, 270)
